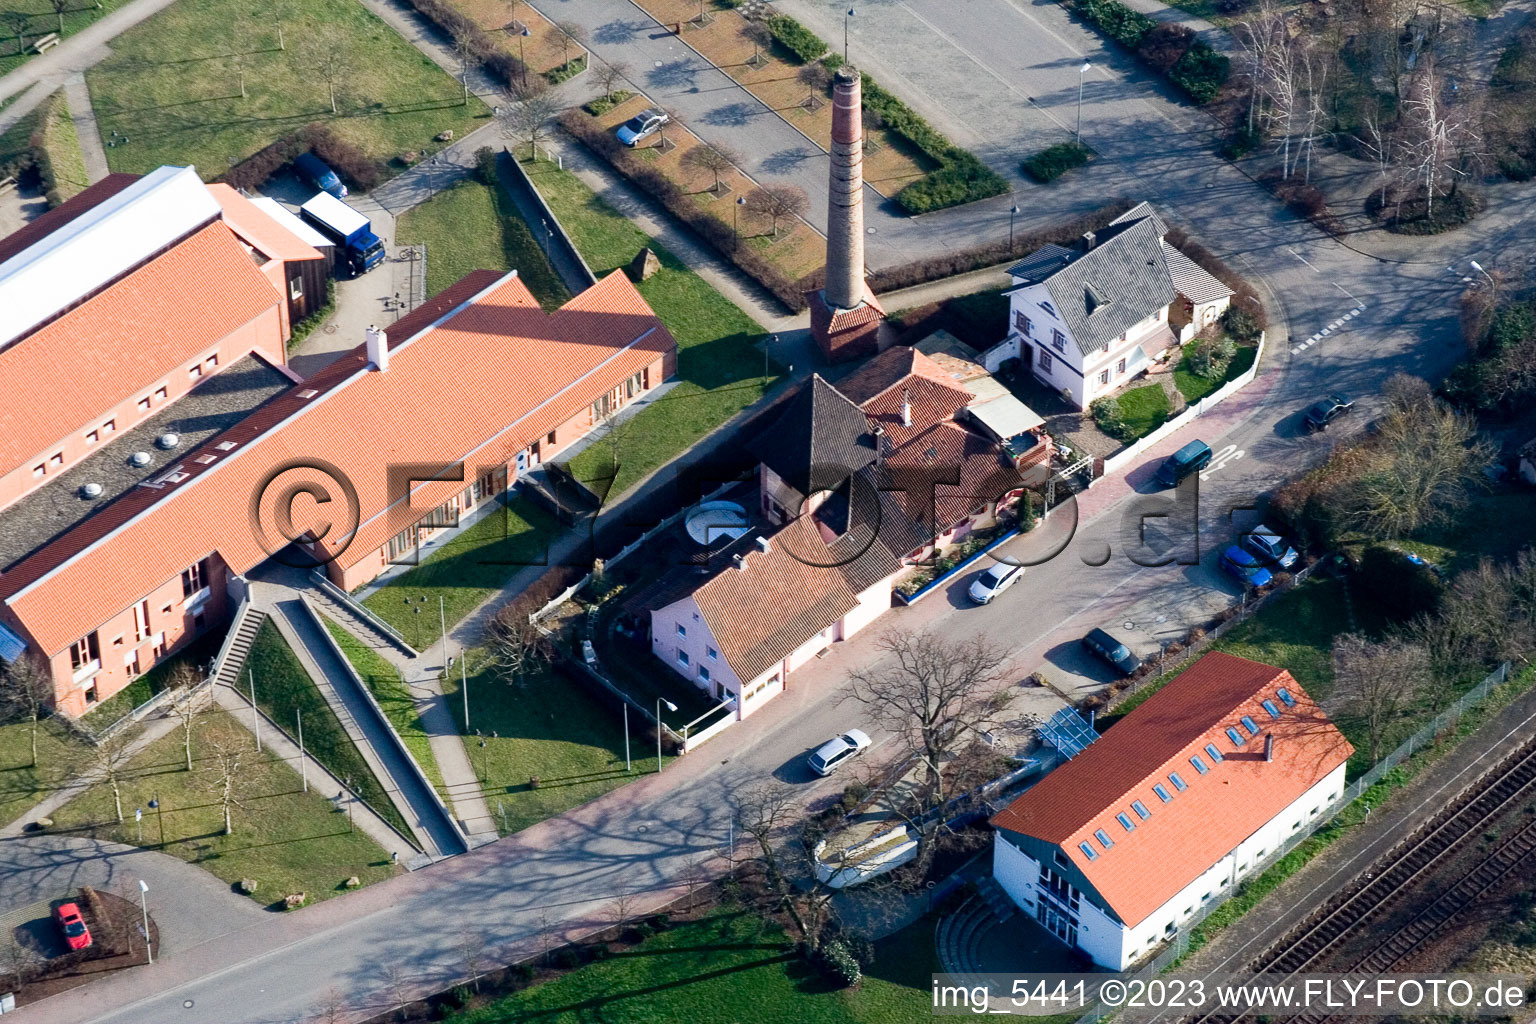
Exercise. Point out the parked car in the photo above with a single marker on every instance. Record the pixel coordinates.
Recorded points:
(1270, 547)
(1112, 651)
(311, 169)
(994, 581)
(76, 934)
(1192, 458)
(1244, 566)
(832, 754)
(642, 126)
(1326, 411)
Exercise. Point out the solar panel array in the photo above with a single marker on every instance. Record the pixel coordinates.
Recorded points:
(1067, 731)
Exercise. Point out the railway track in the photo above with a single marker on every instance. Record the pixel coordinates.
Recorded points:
(1511, 780)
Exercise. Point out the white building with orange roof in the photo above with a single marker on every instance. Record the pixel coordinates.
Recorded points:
(1170, 809)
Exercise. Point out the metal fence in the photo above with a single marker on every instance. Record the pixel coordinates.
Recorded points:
(356, 607)
(1446, 720)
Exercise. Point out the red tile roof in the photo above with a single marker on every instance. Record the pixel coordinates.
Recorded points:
(948, 472)
(893, 366)
(779, 599)
(39, 229)
(476, 381)
(1148, 866)
(266, 235)
(126, 338)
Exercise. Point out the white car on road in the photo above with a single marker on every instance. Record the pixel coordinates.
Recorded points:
(830, 755)
(994, 581)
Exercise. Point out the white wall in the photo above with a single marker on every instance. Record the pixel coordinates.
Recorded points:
(665, 643)
(873, 603)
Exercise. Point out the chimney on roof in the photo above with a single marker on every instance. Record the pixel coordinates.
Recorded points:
(741, 562)
(764, 546)
(906, 407)
(1089, 238)
(378, 347)
(1269, 746)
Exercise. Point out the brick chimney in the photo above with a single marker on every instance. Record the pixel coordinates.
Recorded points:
(1269, 746)
(845, 319)
(377, 343)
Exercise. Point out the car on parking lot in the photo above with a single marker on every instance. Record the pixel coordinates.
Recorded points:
(994, 581)
(832, 754)
(314, 172)
(72, 925)
(1112, 651)
(641, 126)
(1244, 566)
(1271, 548)
(1326, 411)
(1191, 458)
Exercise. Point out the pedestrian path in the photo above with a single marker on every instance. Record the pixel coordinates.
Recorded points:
(78, 96)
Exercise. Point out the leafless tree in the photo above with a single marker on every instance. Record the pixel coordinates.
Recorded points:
(756, 33)
(16, 958)
(609, 76)
(546, 935)
(1494, 606)
(186, 703)
(513, 25)
(622, 909)
(692, 876)
(516, 644)
(777, 202)
(472, 956)
(331, 1009)
(1268, 58)
(1380, 143)
(570, 32)
(769, 814)
(225, 779)
(26, 689)
(394, 977)
(1377, 682)
(109, 759)
(1439, 138)
(1314, 115)
(327, 54)
(714, 159)
(936, 694)
(528, 118)
(59, 8)
(467, 53)
(815, 77)
(16, 23)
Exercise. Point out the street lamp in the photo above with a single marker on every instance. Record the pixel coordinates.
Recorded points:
(670, 707)
(154, 805)
(846, 20)
(1011, 215)
(1491, 282)
(149, 947)
(1078, 136)
(773, 340)
(524, 34)
(736, 220)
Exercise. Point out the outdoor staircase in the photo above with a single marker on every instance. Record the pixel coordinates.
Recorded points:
(960, 936)
(998, 901)
(242, 633)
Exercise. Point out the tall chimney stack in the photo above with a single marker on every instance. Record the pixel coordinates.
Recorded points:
(845, 193)
(377, 344)
(1269, 746)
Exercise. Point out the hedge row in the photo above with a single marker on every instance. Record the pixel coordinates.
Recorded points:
(1054, 161)
(960, 178)
(456, 26)
(1198, 70)
(361, 171)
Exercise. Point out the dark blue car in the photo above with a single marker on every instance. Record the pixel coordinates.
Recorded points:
(311, 169)
(1244, 566)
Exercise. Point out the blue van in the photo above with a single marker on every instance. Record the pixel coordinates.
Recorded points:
(310, 168)
(1192, 458)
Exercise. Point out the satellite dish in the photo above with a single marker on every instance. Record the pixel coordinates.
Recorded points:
(167, 441)
(91, 491)
(139, 459)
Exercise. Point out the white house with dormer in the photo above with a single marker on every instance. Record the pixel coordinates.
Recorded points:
(1087, 321)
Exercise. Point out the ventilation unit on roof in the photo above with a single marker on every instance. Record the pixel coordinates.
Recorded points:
(167, 441)
(90, 491)
(139, 459)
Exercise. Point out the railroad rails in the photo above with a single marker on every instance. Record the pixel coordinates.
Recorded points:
(1480, 803)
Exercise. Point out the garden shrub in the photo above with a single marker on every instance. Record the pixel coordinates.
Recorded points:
(1403, 588)
(1241, 325)
(1122, 24)
(839, 964)
(354, 166)
(796, 38)
(1054, 161)
(1201, 72)
(1106, 413)
(567, 958)
(603, 104)
(1161, 48)
(485, 165)
(1210, 357)
(455, 25)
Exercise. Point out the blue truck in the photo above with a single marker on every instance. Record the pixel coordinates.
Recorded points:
(356, 245)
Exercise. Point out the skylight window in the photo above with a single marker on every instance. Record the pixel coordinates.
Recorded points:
(204, 460)
(227, 446)
(1088, 851)
(1141, 810)
(1237, 738)
(1286, 697)
(1210, 748)
(1162, 793)
(1199, 764)
(1269, 706)
(1253, 730)
(308, 393)
(1103, 838)
(1125, 821)
(1178, 781)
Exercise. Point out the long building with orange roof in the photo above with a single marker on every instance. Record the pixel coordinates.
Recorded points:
(420, 423)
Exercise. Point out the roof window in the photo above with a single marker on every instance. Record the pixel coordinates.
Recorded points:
(1125, 821)
(1210, 748)
(1286, 697)
(1103, 838)
(308, 393)
(1141, 810)
(227, 446)
(204, 460)
(1253, 730)
(1199, 764)
(1088, 851)
(1178, 781)
(1237, 738)
(1162, 793)
(1269, 706)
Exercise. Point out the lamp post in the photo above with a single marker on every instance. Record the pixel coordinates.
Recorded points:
(482, 756)
(627, 768)
(1012, 213)
(773, 339)
(464, 688)
(670, 707)
(1077, 137)
(1491, 282)
(736, 221)
(524, 34)
(149, 947)
(154, 805)
(848, 18)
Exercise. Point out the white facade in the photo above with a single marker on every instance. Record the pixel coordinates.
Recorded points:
(1038, 334)
(1101, 935)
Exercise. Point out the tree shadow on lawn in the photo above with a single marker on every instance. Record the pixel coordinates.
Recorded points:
(598, 1002)
(111, 114)
(730, 359)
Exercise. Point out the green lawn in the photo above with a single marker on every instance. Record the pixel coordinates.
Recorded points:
(551, 727)
(728, 968)
(465, 571)
(283, 689)
(473, 226)
(1495, 525)
(77, 15)
(1194, 387)
(172, 85)
(1144, 409)
(59, 755)
(399, 706)
(720, 363)
(287, 840)
(63, 145)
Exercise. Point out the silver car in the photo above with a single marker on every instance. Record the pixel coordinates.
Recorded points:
(994, 581)
(641, 126)
(832, 754)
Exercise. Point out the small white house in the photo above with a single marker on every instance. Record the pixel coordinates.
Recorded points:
(1086, 321)
(1181, 800)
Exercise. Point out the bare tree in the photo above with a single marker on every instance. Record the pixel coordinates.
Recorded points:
(815, 77)
(26, 690)
(776, 202)
(225, 779)
(16, 23)
(622, 909)
(394, 977)
(16, 958)
(1439, 137)
(472, 956)
(756, 33)
(59, 7)
(331, 1009)
(714, 159)
(770, 815)
(467, 53)
(110, 759)
(186, 703)
(516, 644)
(528, 118)
(328, 55)
(1380, 143)
(570, 32)
(1377, 682)
(609, 76)
(692, 876)
(936, 694)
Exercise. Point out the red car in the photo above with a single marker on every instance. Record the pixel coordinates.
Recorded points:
(76, 934)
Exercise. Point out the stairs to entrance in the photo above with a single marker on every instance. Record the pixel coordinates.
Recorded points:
(242, 634)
